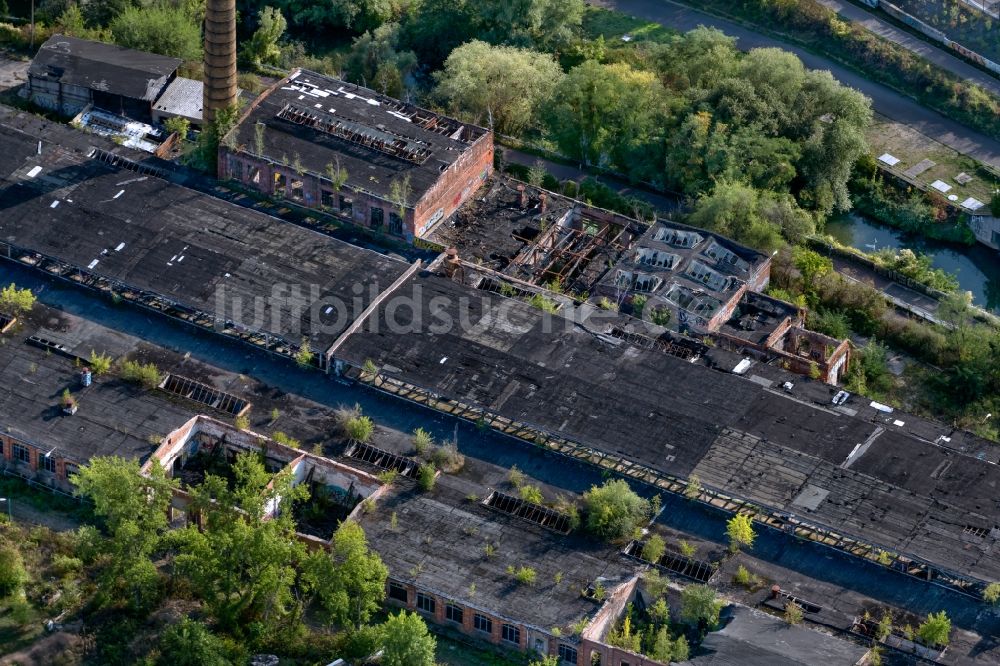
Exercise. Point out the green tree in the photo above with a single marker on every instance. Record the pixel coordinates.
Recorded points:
(190, 643)
(699, 606)
(159, 29)
(991, 594)
(614, 510)
(739, 529)
(609, 115)
(13, 575)
(14, 301)
(935, 630)
(134, 509)
(500, 86)
(661, 647)
(406, 641)
(349, 581)
(262, 47)
(550, 24)
(241, 562)
(179, 126)
(830, 322)
(376, 54)
(654, 548)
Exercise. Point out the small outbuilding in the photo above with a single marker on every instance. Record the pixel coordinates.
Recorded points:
(69, 74)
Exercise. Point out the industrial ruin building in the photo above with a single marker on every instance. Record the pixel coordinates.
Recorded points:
(69, 75)
(690, 280)
(432, 542)
(375, 161)
(894, 489)
(535, 236)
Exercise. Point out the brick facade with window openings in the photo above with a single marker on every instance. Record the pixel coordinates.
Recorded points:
(398, 593)
(483, 623)
(22, 454)
(313, 124)
(425, 602)
(454, 613)
(511, 634)
(567, 654)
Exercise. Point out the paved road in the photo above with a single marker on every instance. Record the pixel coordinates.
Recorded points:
(874, 22)
(884, 100)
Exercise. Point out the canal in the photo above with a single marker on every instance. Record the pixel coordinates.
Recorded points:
(977, 268)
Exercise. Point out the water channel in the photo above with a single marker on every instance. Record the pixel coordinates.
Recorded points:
(977, 268)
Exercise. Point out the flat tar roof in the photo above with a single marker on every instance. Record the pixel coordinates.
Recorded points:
(317, 120)
(853, 469)
(103, 67)
(206, 254)
(114, 417)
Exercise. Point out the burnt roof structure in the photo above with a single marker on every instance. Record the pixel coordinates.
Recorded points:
(179, 251)
(104, 67)
(692, 272)
(537, 236)
(317, 121)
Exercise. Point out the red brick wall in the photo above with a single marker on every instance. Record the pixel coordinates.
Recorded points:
(456, 185)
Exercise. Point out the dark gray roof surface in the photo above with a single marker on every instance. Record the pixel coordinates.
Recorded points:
(902, 492)
(114, 417)
(366, 111)
(104, 67)
(753, 638)
(439, 541)
(192, 248)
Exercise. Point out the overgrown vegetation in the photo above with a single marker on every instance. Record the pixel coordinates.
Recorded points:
(965, 352)
(614, 511)
(819, 27)
(240, 583)
(145, 374)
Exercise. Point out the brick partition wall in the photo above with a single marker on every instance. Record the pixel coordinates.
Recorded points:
(457, 184)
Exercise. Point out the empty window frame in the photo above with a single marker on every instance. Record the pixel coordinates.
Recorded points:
(47, 464)
(21, 454)
(378, 218)
(346, 205)
(425, 602)
(395, 224)
(297, 190)
(280, 182)
(482, 623)
(511, 634)
(398, 592)
(567, 654)
(326, 198)
(453, 613)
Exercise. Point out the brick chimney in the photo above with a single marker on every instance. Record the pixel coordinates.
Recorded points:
(220, 57)
(542, 200)
(522, 197)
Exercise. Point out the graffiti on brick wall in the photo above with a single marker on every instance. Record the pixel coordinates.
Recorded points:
(936, 35)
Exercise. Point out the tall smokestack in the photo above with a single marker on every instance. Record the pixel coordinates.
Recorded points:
(220, 57)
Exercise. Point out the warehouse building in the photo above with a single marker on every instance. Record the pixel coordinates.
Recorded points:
(375, 161)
